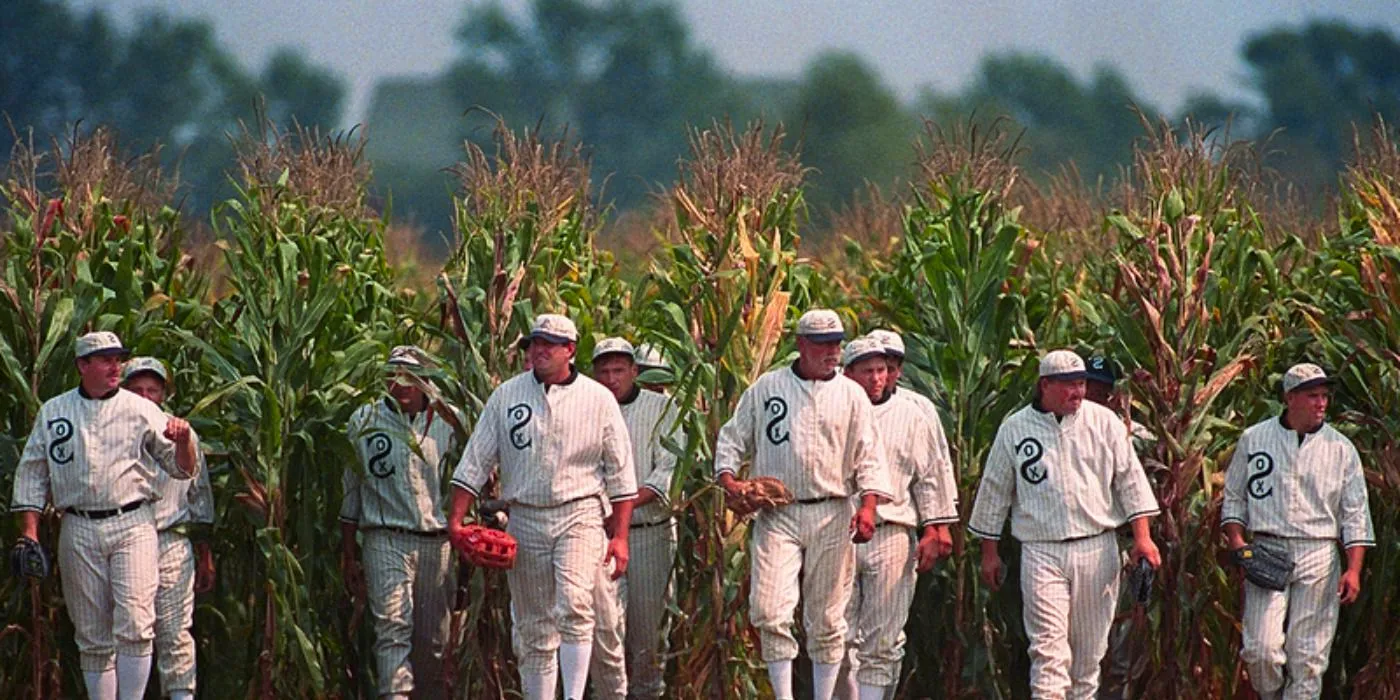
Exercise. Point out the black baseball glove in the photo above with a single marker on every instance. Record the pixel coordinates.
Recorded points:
(28, 559)
(1265, 567)
(494, 514)
(1140, 580)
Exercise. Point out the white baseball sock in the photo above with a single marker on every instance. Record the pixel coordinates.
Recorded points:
(573, 669)
(541, 686)
(867, 692)
(101, 685)
(189, 695)
(780, 675)
(132, 674)
(824, 680)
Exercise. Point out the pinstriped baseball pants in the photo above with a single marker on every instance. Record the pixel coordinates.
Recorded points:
(631, 641)
(558, 551)
(1293, 629)
(108, 569)
(175, 654)
(879, 607)
(1070, 591)
(806, 549)
(408, 578)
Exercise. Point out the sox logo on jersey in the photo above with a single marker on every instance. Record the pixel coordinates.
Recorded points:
(61, 433)
(1262, 463)
(379, 447)
(1031, 469)
(778, 409)
(520, 415)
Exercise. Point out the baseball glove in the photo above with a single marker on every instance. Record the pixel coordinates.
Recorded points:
(1265, 567)
(485, 547)
(494, 514)
(762, 493)
(28, 559)
(1140, 580)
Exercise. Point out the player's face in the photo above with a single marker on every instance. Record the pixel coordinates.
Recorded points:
(1061, 396)
(1307, 408)
(408, 395)
(820, 359)
(617, 372)
(550, 359)
(896, 369)
(1098, 392)
(871, 374)
(100, 374)
(147, 386)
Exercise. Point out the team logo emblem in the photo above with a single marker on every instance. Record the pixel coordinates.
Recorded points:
(1030, 451)
(60, 434)
(379, 446)
(1262, 464)
(520, 415)
(778, 409)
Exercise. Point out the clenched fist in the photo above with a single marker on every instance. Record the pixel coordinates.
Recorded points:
(177, 430)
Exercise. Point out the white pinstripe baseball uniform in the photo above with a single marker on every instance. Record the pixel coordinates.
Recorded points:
(93, 456)
(183, 504)
(632, 631)
(395, 499)
(915, 453)
(1066, 484)
(1303, 494)
(563, 454)
(818, 437)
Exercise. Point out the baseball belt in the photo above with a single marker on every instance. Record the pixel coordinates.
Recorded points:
(104, 514)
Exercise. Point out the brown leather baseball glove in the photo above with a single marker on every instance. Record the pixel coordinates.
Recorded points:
(485, 547)
(761, 493)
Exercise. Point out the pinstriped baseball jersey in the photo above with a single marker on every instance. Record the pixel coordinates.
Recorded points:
(1313, 489)
(184, 500)
(940, 439)
(1059, 480)
(554, 445)
(920, 475)
(650, 417)
(93, 454)
(817, 436)
(402, 459)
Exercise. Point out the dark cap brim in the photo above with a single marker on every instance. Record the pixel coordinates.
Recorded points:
(832, 337)
(1320, 381)
(891, 352)
(866, 356)
(1102, 378)
(550, 337)
(625, 353)
(1067, 376)
(108, 352)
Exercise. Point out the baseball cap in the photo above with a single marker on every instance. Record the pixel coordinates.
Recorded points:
(150, 365)
(862, 348)
(821, 325)
(1062, 364)
(1099, 369)
(613, 346)
(406, 355)
(99, 343)
(893, 344)
(554, 328)
(649, 357)
(1304, 376)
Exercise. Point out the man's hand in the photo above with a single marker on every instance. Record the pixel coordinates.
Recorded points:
(992, 571)
(863, 525)
(177, 430)
(618, 555)
(1349, 586)
(352, 573)
(1145, 548)
(927, 551)
(944, 536)
(203, 568)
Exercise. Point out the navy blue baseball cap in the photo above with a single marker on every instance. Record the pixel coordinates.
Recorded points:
(1099, 369)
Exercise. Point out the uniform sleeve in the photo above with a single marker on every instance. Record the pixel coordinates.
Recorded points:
(1131, 488)
(482, 453)
(31, 489)
(867, 456)
(161, 450)
(663, 461)
(1356, 512)
(995, 493)
(201, 493)
(735, 441)
(350, 507)
(1234, 508)
(619, 474)
(934, 490)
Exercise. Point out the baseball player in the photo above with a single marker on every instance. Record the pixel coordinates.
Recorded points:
(565, 465)
(183, 516)
(631, 632)
(90, 455)
(654, 372)
(1296, 485)
(1066, 474)
(394, 500)
(923, 489)
(814, 430)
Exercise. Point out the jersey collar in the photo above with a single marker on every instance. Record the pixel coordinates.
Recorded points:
(631, 396)
(806, 378)
(83, 393)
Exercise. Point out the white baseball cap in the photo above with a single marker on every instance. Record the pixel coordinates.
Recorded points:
(554, 328)
(151, 365)
(613, 346)
(406, 355)
(649, 357)
(821, 325)
(893, 344)
(99, 343)
(1304, 376)
(862, 348)
(1062, 364)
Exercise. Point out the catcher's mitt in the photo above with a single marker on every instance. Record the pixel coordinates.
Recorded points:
(485, 547)
(1265, 567)
(28, 559)
(1140, 579)
(762, 493)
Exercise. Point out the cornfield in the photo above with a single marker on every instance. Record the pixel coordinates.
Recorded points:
(1200, 282)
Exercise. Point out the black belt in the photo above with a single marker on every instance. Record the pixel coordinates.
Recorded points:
(821, 499)
(416, 533)
(1084, 537)
(104, 514)
(639, 526)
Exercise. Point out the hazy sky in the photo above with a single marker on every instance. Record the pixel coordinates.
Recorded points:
(1166, 48)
